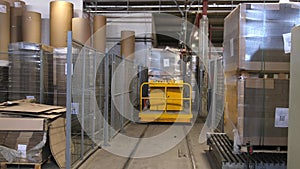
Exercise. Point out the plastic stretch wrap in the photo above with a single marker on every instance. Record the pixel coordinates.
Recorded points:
(33, 141)
(164, 65)
(28, 62)
(60, 72)
(3, 83)
(256, 37)
(253, 101)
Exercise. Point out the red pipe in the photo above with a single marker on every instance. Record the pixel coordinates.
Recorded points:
(205, 7)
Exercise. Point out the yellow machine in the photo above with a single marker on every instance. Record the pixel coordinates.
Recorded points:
(166, 102)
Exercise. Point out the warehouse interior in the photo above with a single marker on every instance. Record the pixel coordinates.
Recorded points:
(136, 84)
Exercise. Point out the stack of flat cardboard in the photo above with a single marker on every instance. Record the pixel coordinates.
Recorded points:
(24, 131)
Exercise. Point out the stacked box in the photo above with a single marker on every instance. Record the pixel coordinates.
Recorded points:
(59, 76)
(34, 142)
(256, 64)
(59, 68)
(164, 65)
(29, 72)
(253, 37)
(251, 108)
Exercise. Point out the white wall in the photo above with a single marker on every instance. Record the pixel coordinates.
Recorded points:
(43, 7)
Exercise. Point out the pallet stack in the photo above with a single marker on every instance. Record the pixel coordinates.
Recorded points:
(30, 72)
(256, 63)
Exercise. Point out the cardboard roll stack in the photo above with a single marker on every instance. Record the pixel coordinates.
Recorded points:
(30, 72)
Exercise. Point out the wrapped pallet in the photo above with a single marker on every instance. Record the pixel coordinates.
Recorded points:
(3, 82)
(254, 37)
(253, 105)
(30, 74)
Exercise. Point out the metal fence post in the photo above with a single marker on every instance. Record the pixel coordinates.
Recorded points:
(41, 76)
(112, 112)
(106, 100)
(123, 93)
(68, 115)
(94, 93)
(82, 103)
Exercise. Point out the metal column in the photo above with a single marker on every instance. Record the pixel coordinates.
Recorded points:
(69, 108)
(106, 100)
(41, 76)
(82, 103)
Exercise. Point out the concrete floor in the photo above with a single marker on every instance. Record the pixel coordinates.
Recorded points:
(145, 154)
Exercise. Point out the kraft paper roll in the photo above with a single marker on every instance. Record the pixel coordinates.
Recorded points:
(81, 30)
(11, 2)
(128, 44)
(31, 27)
(61, 14)
(16, 21)
(99, 36)
(4, 28)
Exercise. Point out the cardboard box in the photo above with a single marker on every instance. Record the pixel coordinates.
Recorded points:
(253, 37)
(22, 124)
(251, 104)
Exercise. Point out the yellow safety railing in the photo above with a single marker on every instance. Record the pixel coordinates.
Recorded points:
(166, 85)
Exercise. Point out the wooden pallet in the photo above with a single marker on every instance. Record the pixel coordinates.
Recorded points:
(3, 165)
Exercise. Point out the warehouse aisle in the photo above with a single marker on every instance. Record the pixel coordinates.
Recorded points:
(178, 157)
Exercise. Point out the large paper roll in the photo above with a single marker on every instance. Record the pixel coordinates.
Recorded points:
(16, 21)
(81, 30)
(127, 44)
(31, 27)
(61, 13)
(4, 28)
(99, 36)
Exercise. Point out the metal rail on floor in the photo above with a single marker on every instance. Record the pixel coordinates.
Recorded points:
(221, 150)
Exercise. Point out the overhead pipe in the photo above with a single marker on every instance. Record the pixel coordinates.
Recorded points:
(205, 7)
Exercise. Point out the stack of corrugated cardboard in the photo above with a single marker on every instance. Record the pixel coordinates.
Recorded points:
(256, 62)
(24, 131)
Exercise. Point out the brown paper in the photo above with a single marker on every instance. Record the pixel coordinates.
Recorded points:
(4, 29)
(81, 30)
(99, 36)
(31, 27)
(61, 13)
(16, 21)
(127, 44)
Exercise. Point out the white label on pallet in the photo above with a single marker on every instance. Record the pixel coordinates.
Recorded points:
(18, 4)
(75, 108)
(29, 97)
(287, 41)
(281, 117)
(3, 9)
(22, 150)
(4, 63)
(66, 69)
(166, 63)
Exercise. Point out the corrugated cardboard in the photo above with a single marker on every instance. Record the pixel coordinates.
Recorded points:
(57, 141)
(250, 107)
(22, 124)
(23, 106)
